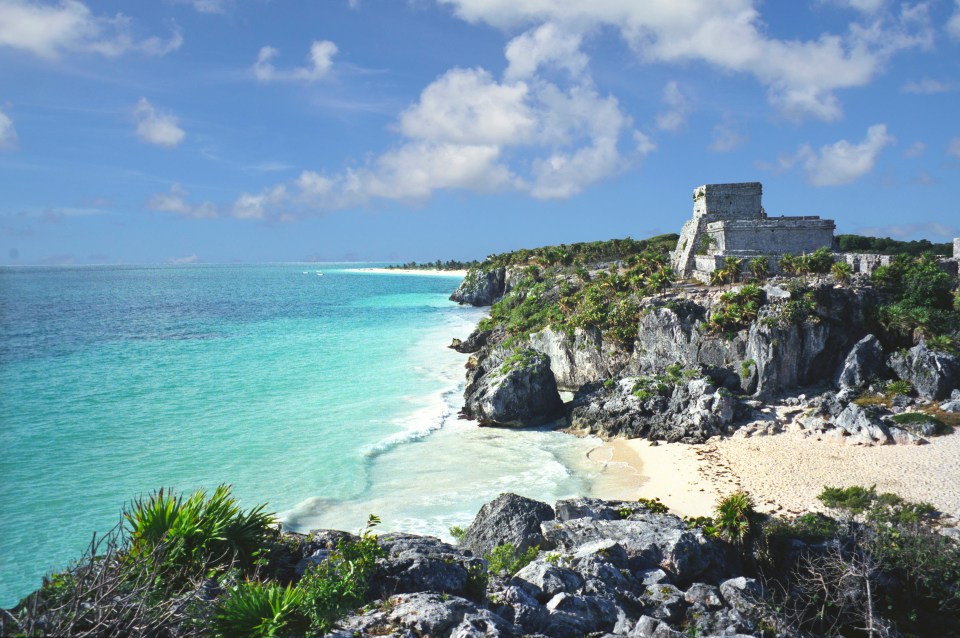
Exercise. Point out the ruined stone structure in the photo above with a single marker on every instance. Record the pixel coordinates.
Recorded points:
(728, 219)
(956, 247)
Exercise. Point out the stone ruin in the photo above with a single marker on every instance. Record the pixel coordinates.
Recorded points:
(729, 220)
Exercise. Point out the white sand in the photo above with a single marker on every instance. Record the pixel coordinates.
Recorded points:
(783, 472)
(411, 271)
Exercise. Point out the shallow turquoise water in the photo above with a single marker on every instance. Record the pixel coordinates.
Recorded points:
(328, 396)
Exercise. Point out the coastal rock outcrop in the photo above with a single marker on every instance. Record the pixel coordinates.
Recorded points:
(480, 287)
(508, 519)
(687, 410)
(617, 570)
(932, 373)
(862, 365)
(512, 389)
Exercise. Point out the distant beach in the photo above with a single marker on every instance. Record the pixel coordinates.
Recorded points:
(783, 473)
(411, 271)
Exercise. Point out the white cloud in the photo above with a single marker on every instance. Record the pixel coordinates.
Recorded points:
(953, 24)
(320, 63)
(49, 30)
(190, 259)
(927, 86)
(546, 45)
(645, 145)
(915, 150)
(725, 138)
(256, 206)
(953, 147)
(467, 106)
(157, 127)
(843, 162)
(8, 134)
(729, 35)
(174, 201)
(207, 6)
(678, 108)
(865, 6)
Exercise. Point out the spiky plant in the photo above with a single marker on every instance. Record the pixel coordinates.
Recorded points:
(734, 518)
(253, 609)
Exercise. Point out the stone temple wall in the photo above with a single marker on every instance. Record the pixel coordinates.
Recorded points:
(956, 248)
(728, 201)
(774, 235)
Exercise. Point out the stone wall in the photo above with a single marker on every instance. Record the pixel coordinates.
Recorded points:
(956, 248)
(774, 235)
(728, 201)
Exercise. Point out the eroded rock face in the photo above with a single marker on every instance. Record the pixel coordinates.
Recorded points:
(693, 411)
(422, 563)
(934, 375)
(512, 389)
(508, 519)
(862, 365)
(480, 287)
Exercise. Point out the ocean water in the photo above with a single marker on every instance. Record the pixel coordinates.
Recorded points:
(326, 393)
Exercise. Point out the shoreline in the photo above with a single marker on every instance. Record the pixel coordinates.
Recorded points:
(409, 271)
(783, 472)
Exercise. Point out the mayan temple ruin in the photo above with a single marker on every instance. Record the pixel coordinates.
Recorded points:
(729, 220)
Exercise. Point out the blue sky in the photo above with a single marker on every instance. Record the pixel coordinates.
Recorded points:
(225, 130)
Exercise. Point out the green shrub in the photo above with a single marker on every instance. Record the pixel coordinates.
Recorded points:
(855, 499)
(458, 533)
(253, 609)
(909, 419)
(760, 267)
(339, 584)
(734, 518)
(505, 559)
(197, 529)
(898, 387)
(653, 505)
(842, 271)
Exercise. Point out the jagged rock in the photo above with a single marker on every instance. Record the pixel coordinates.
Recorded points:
(512, 390)
(702, 594)
(317, 546)
(932, 373)
(692, 412)
(422, 563)
(905, 437)
(862, 424)
(473, 343)
(428, 614)
(585, 507)
(508, 519)
(950, 406)
(543, 581)
(573, 616)
(649, 627)
(480, 287)
(743, 594)
(649, 540)
(864, 363)
(667, 602)
(581, 357)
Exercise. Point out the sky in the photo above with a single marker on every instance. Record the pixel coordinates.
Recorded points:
(223, 131)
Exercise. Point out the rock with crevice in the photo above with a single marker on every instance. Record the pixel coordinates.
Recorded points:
(509, 519)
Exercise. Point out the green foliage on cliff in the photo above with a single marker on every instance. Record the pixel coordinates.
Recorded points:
(196, 565)
(923, 298)
(737, 310)
(559, 290)
(887, 246)
(582, 253)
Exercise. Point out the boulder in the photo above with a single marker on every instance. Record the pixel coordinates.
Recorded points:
(480, 287)
(864, 363)
(512, 389)
(422, 564)
(684, 410)
(543, 581)
(508, 519)
(473, 343)
(863, 424)
(427, 614)
(934, 374)
(649, 540)
(741, 593)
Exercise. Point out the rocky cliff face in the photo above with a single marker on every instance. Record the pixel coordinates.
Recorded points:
(614, 568)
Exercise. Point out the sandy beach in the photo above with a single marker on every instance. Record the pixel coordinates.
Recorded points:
(411, 271)
(783, 472)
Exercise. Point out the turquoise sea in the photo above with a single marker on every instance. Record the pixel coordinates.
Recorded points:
(327, 393)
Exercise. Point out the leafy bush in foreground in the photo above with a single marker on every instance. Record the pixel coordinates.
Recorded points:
(505, 559)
